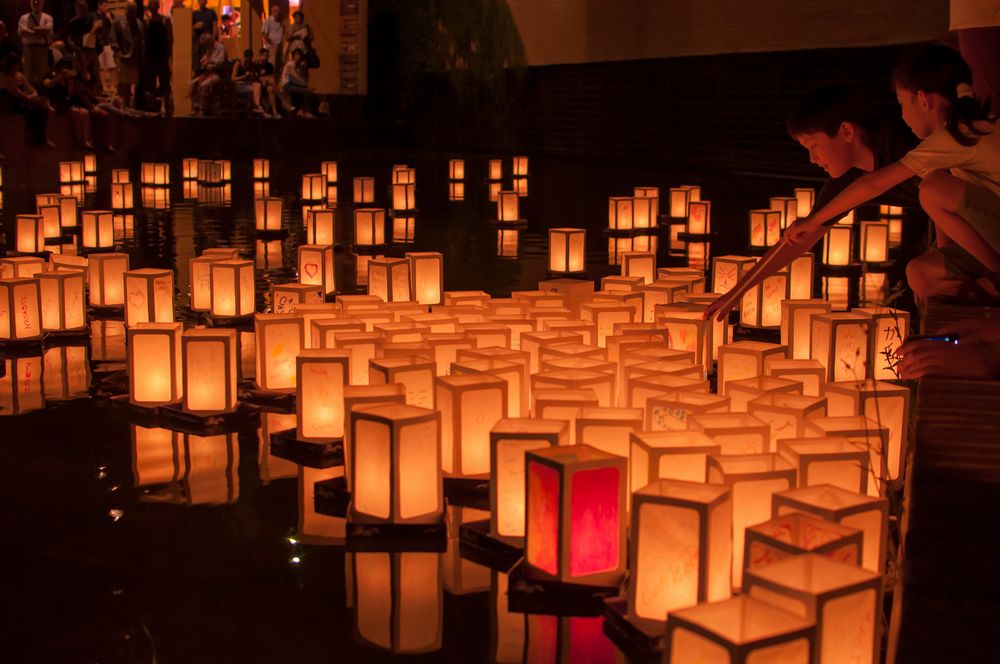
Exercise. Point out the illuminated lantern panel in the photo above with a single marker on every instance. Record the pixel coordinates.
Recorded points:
(840, 343)
(796, 325)
(866, 513)
(68, 211)
(21, 389)
(364, 190)
(369, 227)
(71, 172)
(834, 461)
(679, 199)
(788, 207)
(843, 600)
(888, 331)
(795, 534)
(415, 372)
(268, 213)
(687, 331)
(190, 169)
(680, 547)
(567, 249)
(329, 171)
(609, 430)
(837, 245)
(804, 199)
(122, 196)
(404, 196)
(746, 359)
(284, 297)
(456, 169)
(874, 241)
(639, 264)
(107, 279)
(562, 404)
(427, 276)
(396, 464)
(313, 187)
(511, 365)
(810, 373)
(63, 305)
(403, 229)
(606, 315)
(389, 279)
(673, 455)
(728, 270)
(321, 376)
(210, 370)
(866, 433)
(470, 405)
(280, 337)
(232, 288)
(149, 296)
(155, 174)
(672, 410)
(742, 392)
(398, 601)
(200, 279)
(765, 228)
(456, 191)
(761, 306)
(735, 433)
(574, 521)
(154, 364)
(650, 192)
(51, 227)
(520, 167)
(20, 309)
(261, 169)
(89, 164)
(510, 439)
(699, 218)
(321, 226)
(507, 207)
(120, 176)
(801, 270)
(620, 212)
(30, 233)
(316, 266)
(786, 413)
(495, 169)
(642, 212)
(754, 479)
(602, 384)
(741, 629)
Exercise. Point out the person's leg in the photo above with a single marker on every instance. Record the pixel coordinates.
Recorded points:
(941, 195)
(928, 276)
(255, 93)
(980, 48)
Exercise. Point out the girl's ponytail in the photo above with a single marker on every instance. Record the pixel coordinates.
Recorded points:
(934, 68)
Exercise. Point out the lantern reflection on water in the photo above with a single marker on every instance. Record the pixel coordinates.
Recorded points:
(21, 389)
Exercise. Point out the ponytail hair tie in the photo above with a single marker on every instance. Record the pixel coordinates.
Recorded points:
(963, 90)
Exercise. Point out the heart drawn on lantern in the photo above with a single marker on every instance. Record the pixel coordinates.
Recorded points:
(136, 299)
(310, 269)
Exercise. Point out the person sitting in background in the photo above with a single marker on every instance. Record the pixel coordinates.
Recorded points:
(295, 84)
(265, 76)
(35, 31)
(976, 356)
(299, 33)
(227, 29)
(17, 95)
(128, 35)
(210, 68)
(245, 79)
(66, 92)
(82, 33)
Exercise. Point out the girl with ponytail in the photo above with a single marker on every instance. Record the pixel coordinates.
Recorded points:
(958, 161)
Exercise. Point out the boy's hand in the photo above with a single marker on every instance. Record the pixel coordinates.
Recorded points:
(720, 308)
(798, 231)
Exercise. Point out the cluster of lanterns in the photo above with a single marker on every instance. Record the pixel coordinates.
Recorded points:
(751, 518)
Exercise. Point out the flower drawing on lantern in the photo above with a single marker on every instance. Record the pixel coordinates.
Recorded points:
(851, 341)
(773, 227)
(756, 237)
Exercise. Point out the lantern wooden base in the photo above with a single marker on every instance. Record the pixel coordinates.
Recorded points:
(57, 337)
(276, 401)
(175, 418)
(331, 497)
(471, 491)
(640, 640)
(531, 592)
(426, 537)
(698, 237)
(493, 551)
(520, 223)
(286, 445)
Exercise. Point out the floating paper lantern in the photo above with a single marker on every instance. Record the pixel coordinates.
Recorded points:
(456, 169)
(602, 384)
(562, 405)
(673, 455)
(804, 198)
(362, 395)
(495, 169)
(735, 433)
(470, 405)
(830, 460)
(329, 171)
(839, 341)
(199, 276)
(671, 411)
(746, 359)
(520, 167)
(284, 297)
(107, 279)
(642, 212)
(796, 325)
(415, 372)
(739, 630)
(788, 207)
(30, 231)
(510, 365)
(456, 191)
(149, 296)
(120, 176)
(280, 337)
(90, 164)
(742, 392)
(313, 187)
(210, 368)
(396, 464)
(398, 601)
(650, 192)
(316, 266)
(609, 429)
(62, 302)
(605, 315)
(321, 376)
(728, 270)
(232, 288)
(268, 213)
(68, 211)
(574, 520)
(98, 229)
(796, 534)
(699, 218)
(639, 264)
(156, 198)
(810, 373)
(364, 190)
(389, 279)
(843, 600)
(784, 410)
(639, 389)
(567, 249)
(874, 241)
(404, 196)
(761, 306)
(765, 228)
(20, 309)
(680, 548)
(679, 199)
(28, 266)
(71, 172)
(155, 174)
(507, 207)
(426, 276)
(837, 245)
(620, 213)
(154, 364)
(369, 227)
(191, 169)
(321, 226)
(800, 282)
(510, 439)
(51, 226)
(122, 196)
(262, 169)
(754, 479)
(403, 229)
(868, 514)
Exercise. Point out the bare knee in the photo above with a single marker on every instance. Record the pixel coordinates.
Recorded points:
(940, 190)
(925, 275)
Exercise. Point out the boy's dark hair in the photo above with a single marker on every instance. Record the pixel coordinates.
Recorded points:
(825, 108)
(935, 68)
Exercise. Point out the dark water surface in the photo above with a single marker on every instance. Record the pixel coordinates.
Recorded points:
(129, 544)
